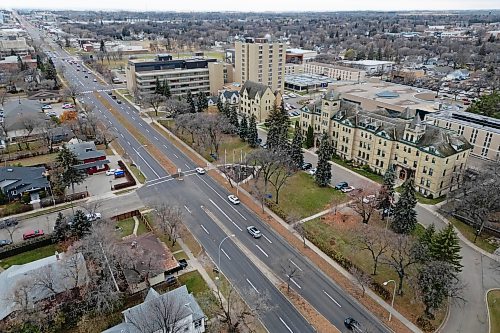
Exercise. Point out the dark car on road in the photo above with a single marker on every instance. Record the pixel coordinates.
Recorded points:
(306, 166)
(5, 242)
(341, 185)
(352, 324)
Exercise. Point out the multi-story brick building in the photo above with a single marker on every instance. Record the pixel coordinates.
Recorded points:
(433, 156)
(335, 72)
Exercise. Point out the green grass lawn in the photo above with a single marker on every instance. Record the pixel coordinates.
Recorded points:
(470, 234)
(494, 309)
(141, 229)
(194, 282)
(137, 173)
(180, 255)
(29, 256)
(427, 201)
(365, 173)
(127, 226)
(302, 197)
(35, 160)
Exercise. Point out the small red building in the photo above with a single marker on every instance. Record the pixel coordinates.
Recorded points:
(91, 159)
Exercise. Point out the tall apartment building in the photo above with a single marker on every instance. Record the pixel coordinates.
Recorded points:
(260, 60)
(335, 72)
(433, 156)
(482, 132)
(182, 75)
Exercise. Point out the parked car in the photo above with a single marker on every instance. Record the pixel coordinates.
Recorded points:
(347, 189)
(86, 76)
(111, 172)
(119, 173)
(95, 80)
(352, 324)
(8, 223)
(369, 198)
(5, 242)
(200, 171)
(312, 172)
(119, 101)
(233, 199)
(113, 96)
(110, 93)
(46, 107)
(254, 231)
(52, 114)
(306, 166)
(32, 234)
(93, 216)
(341, 185)
(183, 263)
(170, 280)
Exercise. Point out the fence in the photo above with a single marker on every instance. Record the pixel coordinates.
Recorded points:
(126, 215)
(130, 179)
(27, 245)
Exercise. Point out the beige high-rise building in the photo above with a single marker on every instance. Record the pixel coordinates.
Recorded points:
(260, 60)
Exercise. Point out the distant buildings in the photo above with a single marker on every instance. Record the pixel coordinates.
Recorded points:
(296, 59)
(371, 66)
(260, 60)
(335, 72)
(257, 99)
(11, 63)
(12, 45)
(182, 75)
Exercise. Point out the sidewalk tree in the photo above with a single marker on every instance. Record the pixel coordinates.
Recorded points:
(66, 161)
(190, 101)
(404, 219)
(243, 128)
(446, 248)
(364, 205)
(253, 134)
(169, 220)
(323, 174)
(60, 228)
(374, 240)
(296, 153)
(386, 195)
(80, 224)
(155, 101)
(277, 124)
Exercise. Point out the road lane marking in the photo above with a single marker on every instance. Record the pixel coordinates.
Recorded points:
(204, 229)
(128, 112)
(110, 122)
(295, 283)
(262, 250)
(222, 250)
(267, 239)
(139, 123)
(176, 156)
(146, 130)
(133, 118)
(187, 209)
(163, 181)
(223, 213)
(105, 116)
(300, 269)
(283, 322)
(122, 135)
(251, 285)
(138, 154)
(128, 143)
(165, 146)
(243, 217)
(156, 139)
(187, 165)
(330, 297)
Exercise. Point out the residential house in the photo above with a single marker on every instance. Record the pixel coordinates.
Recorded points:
(45, 96)
(14, 181)
(28, 285)
(231, 97)
(212, 100)
(176, 310)
(91, 160)
(20, 114)
(258, 100)
(11, 63)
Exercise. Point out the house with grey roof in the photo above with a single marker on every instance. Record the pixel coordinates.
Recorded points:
(173, 311)
(258, 100)
(14, 181)
(230, 97)
(18, 114)
(26, 286)
(91, 160)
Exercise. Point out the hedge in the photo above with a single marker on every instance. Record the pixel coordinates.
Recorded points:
(24, 246)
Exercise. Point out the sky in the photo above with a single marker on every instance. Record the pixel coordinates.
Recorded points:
(253, 5)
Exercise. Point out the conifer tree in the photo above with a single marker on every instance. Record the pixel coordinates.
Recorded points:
(81, 224)
(233, 117)
(226, 110)
(387, 190)
(405, 217)
(446, 247)
(323, 174)
(296, 153)
(220, 107)
(253, 135)
(428, 237)
(199, 101)
(166, 89)
(158, 87)
(190, 101)
(278, 123)
(60, 228)
(309, 137)
(243, 128)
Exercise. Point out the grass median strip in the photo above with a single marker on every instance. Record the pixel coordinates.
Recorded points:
(168, 165)
(494, 309)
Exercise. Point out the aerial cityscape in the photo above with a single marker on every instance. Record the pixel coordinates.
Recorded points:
(230, 167)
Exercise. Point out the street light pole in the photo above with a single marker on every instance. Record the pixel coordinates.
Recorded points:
(220, 245)
(393, 296)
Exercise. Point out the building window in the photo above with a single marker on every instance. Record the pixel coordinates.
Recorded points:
(441, 185)
(433, 160)
(428, 183)
(431, 171)
(444, 172)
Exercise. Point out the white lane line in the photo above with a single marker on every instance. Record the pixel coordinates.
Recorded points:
(163, 181)
(147, 130)
(139, 123)
(283, 322)
(122, 136)
(128, 143)
(244, 218)
(300, 269)
(165, 146)
(156, 138)
(105, 116)
(133, 118)
(251, 285)
(204, 229)
(187, 209)
(330, 297)
(128, 112)
(100, 111)
(138, 154)
(237, 226)
(267, 239)
(262, 250)
(187, 165)
(295, 283)
(109, 121)
(222, 250)
(176, 156)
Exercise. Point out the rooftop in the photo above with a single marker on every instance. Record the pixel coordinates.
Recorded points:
(344, 68)
(469, 119)
(308, 79)
(369, 62)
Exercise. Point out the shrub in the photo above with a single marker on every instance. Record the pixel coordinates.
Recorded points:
(26, 198)
(27, 245)
(425, 324)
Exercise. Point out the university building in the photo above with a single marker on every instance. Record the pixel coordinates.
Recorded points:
(258, 100)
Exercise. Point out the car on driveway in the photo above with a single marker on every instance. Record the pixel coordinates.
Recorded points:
(233, 199)
(341, 185)
(111, 172)
(200, 171)
(32, 234)
(93, 216)
(254, 231)
(5, 242)
(46, 107)
(348, 189)
(352, 324)
(306, 166)
(312, 172)
(52, 114)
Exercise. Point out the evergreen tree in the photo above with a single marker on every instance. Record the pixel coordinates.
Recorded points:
(309, 137)
(278, 123)
(233, 117)
(253, 135)
(226, 110)
(190, 101)
(158, 87)
(379, 53)
(60, 228)
(102, 47)
(199, 101)
(81, 224)
(296, 153)
(220, 107)
(387, 191)
(428, 237)
(323, 174)
(39, 63)
(166, 89)
(405, 217)
(446, 247)
(243, 128)
(66, 160)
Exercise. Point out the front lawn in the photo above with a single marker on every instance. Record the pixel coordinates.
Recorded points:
(35, 160)
(470, 233)
(494, 309)
(363, 172)
(29, 256)
(127, 226)
(194, 282)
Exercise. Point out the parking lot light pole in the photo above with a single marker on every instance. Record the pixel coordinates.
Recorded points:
(393, 295)
(220, 245)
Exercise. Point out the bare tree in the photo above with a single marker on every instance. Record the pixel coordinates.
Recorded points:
(364, 280)
(29, 124)
(169, 220)
(374, 240)
(72, 92)
(105, 133)
(299, 227)
(11, 228)
(290, 271)
(364, 203)
(154, 101)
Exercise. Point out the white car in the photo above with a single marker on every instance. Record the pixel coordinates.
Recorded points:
(233, 199)
(369, 198)
(46, 107)
(200, 171)
(312, 172)
(52, 114)
(292, 95)
(111, 172)
(348, 189)
(95, 80)
(93, 216)
(254, 231)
